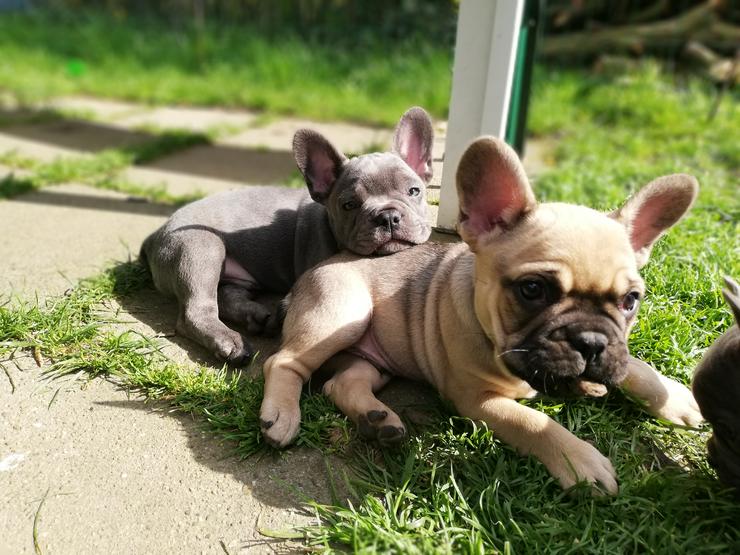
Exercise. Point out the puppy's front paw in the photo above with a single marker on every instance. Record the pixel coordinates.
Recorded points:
(679, 407)
(279, 423)
(579, 461)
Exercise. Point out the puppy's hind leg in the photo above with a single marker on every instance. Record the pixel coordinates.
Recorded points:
(236, 304)
(352, 390)
(196, 285)
(328, 313)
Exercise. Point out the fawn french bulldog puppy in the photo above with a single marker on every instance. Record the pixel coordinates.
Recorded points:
(717, 390)
(538, 298)
(216, 254)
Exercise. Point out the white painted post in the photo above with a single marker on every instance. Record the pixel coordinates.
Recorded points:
(485, 57)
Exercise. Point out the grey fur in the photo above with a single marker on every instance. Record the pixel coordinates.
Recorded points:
(717, 390)
(215, 255)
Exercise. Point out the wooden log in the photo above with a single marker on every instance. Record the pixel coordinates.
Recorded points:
(701, 21)
(718, 69)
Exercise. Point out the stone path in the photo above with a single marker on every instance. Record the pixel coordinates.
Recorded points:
(117, 475)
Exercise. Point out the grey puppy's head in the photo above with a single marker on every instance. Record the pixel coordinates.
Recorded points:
(557, 286)
(376, 202)
(716, 388)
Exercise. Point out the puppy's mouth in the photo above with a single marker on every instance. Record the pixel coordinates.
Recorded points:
(556, 368)
(393, 245)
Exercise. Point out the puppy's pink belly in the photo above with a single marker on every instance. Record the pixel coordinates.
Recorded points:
(234, 273)
(369, 349)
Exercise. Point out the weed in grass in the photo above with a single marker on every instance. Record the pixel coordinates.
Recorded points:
(36, 520)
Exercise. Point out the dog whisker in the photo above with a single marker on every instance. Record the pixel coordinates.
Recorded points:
(512, 351)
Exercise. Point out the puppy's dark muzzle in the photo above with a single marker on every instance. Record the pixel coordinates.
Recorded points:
(554, 362)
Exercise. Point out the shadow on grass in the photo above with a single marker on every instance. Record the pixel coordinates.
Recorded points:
(11, 186)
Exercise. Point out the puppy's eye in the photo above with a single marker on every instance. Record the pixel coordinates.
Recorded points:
(350, 205)
(629, 303)
(532, 289)
(414, 192)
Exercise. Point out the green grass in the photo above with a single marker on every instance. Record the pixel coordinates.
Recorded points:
(454, 487)
(46, 55)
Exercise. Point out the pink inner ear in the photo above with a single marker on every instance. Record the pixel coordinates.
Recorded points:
(321, 173)
(646, 226)
(495, 206)
(410, 150)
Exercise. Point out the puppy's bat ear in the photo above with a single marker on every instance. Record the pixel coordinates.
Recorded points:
(413, 141)
(732, 296)
(649, 213)
(493, 189)
(319, 162)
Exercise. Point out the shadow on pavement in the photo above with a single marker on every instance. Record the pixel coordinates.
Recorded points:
(130, 205)
(226, 162)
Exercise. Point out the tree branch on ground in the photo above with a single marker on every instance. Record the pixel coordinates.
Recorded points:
(701, 23)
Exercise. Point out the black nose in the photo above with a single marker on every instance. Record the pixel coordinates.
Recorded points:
(589, 343)
(388, 219)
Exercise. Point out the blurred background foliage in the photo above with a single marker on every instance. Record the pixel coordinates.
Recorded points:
(361, 60)
(356, 21)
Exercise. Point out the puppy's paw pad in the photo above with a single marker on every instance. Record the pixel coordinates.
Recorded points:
(376, 415)
(266, 424)
(384, 426)
(391, 435)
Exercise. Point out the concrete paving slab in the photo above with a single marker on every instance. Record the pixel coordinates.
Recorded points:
(118, 475)
(36, 149)
(192, 119)
(57, 235)
(230, 163)
(278, 136)
(181, 184)
(74, 135)
(438, 147)
(101, 109)
(7, 171)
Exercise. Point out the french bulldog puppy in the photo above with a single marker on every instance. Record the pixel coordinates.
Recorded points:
(537, 299)
(216, 254)
(717, 390)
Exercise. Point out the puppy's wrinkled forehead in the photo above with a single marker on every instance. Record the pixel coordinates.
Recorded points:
(586, 251)
(380, 172)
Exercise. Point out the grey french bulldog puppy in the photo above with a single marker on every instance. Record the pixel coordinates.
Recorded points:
(215, 255)
(537, 298)
(717, 390)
